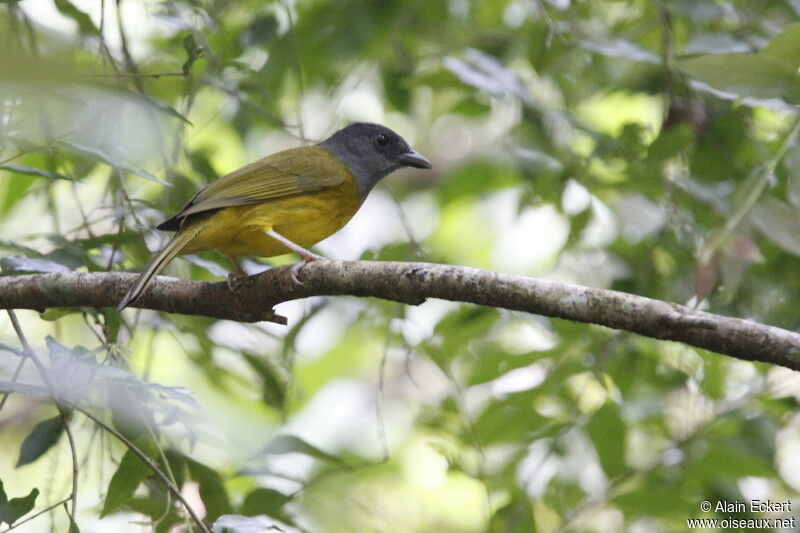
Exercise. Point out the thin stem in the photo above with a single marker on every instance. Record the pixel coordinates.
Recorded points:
(74, 454)
(30, 354)
(733, 221)
(298, 70)
(155, 75)
(150, 464)
(14, 378)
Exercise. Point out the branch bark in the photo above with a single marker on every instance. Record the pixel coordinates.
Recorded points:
(412, 283)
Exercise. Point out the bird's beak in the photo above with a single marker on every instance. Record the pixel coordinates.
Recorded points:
(412, 158)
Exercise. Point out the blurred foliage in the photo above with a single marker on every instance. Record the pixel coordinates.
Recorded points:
(648, 147)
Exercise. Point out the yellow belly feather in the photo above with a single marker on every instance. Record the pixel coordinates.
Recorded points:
(305, 220)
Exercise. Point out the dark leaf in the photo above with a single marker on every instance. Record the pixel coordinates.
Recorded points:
(262, 30)
(212, 491)
(44, 436)
(193, 53)
(265, 501)
(73, 525)
(274, 390)
(82, 19)
(12, 510)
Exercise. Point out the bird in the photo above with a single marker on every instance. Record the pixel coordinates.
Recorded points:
(285, 202)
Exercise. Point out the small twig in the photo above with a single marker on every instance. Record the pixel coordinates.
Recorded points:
(298, 71)
(150, 464)
(30, 354)
(46, 509)
(412, 239)
(379, 400)
(14, 378)
(734, 219)
(130, 65)
(138, 75)
(74, 452)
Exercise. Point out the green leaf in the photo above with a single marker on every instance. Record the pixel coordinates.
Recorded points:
(779, 222)
(772, 72)
(129, 475)
(272, 386)
(212, 491)
(73, 525)
(283, 444)
(607, 432)
(82, 19)
(12, 510)
(753, 75)
(655, 497)
(264, 501)
(263, 29)
(515, 517)
(785, 46)
(96, 154)
(159, 510)
(33, 171)
(193, 52)
(44, 436)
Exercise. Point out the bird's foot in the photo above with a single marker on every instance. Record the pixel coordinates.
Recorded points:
(305, 258)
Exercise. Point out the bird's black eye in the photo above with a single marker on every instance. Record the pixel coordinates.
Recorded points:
(382, 140)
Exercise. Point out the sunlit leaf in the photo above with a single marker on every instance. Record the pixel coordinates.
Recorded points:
(769, 73)
(785, 45)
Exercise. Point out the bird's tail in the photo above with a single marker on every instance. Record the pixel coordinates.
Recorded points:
(157, 263)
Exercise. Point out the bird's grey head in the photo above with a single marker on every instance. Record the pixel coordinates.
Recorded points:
(372, 152)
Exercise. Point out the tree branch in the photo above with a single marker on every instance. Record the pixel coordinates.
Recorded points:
(412, 283)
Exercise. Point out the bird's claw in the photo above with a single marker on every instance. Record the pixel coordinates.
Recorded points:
(298, 266)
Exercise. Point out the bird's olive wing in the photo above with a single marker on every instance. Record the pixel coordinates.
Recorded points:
(288, 173)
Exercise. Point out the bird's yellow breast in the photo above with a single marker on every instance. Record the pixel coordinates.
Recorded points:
(304, 219)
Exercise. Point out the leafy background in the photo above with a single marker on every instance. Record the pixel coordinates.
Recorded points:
(648, 147)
